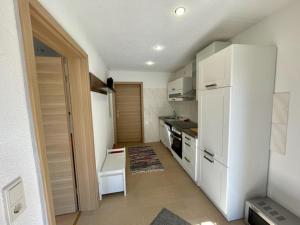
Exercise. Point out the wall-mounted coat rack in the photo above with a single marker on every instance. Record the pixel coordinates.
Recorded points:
(99, 86)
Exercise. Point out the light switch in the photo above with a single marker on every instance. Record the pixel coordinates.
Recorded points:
(14, 199)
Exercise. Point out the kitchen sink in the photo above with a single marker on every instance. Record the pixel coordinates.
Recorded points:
(174, 118)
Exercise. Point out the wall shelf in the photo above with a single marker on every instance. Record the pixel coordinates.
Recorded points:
(99, 86)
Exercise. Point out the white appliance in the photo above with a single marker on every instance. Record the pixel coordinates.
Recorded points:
(178, 89)
(235, 109)
(165, 134)
(264, 211)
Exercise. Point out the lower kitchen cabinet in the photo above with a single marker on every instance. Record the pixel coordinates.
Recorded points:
(213, 181)
(189, 155)
(161, 130)
(164, 134)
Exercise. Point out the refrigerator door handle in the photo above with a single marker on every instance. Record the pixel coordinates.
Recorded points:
(208, 153)
(208, 159)
(211, 86)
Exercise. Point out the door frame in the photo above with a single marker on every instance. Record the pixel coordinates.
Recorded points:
(35, 21)
(142, 110)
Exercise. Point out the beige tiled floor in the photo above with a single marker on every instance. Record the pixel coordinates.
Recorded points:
(148, 193)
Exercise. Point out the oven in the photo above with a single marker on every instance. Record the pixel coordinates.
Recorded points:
(255, 218)
(265, 211)
(176, 142)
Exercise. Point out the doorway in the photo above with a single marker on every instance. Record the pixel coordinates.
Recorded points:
(55, 102)
(129, 113)
(36, 22)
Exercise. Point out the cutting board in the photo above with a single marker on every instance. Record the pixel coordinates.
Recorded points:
(194, 130)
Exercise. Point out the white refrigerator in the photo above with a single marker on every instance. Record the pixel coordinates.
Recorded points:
(235, 108)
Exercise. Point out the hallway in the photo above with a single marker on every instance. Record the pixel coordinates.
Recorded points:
(148, 193)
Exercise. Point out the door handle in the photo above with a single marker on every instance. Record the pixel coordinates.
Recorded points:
(187, 144)
(211, 85)
(208, 159)
(186, 159)
(208, 153)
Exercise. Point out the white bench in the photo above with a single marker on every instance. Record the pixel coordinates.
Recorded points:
(112, 176)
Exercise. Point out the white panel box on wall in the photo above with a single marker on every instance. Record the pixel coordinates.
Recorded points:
(279, 122)
(14, 200)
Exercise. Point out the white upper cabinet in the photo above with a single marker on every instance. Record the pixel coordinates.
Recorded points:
(175, 86)
(213, 123)
(215, 71)
(186, 71)
(178, 87)
(205, 53)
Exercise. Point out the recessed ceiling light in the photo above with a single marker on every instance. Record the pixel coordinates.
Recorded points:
(150, 63)
(158, 47)
(179, 11)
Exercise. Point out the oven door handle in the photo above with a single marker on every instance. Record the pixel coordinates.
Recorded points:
(174, 136)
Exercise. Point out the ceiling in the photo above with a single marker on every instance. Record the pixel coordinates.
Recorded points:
(124, 31)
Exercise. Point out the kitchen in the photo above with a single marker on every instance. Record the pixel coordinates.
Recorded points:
(180, 133)
(183, 111)
(220, 81)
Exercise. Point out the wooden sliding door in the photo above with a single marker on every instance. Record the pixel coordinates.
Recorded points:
(56, 121)
(129, 112)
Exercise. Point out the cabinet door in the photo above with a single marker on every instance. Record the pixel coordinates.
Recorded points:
(213, 120)
(214, 181)
(178, 84)
(161, 131)
(215, 71)
(167, 136)
(171, 87)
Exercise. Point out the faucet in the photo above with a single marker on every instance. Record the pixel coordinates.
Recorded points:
(174, 114)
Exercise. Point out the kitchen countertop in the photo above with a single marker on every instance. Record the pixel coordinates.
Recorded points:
(191, 133)
(182, 125)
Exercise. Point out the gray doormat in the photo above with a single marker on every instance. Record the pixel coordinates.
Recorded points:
(166, 217)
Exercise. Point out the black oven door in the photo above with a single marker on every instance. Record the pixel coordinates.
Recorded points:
(255, 219)
(177, 144)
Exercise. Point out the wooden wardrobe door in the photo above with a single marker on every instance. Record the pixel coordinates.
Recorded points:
(128, 101)
(55, 110)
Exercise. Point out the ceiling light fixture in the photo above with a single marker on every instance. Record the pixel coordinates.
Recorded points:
(158, 47)
(180, 11)
(150, 63)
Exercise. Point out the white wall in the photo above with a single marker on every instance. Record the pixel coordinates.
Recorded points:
(103, 126)
(149, 79)
(16, 146)
(282, 30)
(155, 97)
(188, 109)
(102, 123)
